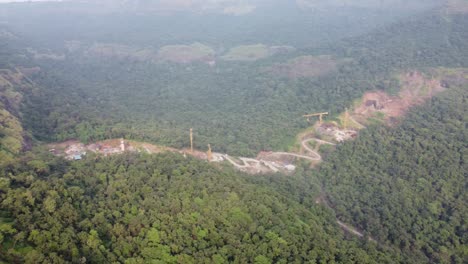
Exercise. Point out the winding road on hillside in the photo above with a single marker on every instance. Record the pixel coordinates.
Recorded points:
(310, 154)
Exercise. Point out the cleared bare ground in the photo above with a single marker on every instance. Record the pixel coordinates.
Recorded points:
(415, 90)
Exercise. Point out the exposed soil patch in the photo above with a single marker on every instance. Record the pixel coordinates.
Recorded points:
(338, 134)
(75, 150)
(415, 90)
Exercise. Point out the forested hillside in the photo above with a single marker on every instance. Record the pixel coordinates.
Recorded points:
(406, 185)
(242, 77)
(164, 209)
(15, 87)
(93, 97)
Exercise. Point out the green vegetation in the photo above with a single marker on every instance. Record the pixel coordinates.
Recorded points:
(186, 53)
(112, 51)
(11, 129)
(306, 66)
(406, 186)
(247, 53)
(167, 209)
(238, 108)
(403, 185)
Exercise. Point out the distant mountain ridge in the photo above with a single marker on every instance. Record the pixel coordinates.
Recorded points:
(244, 7)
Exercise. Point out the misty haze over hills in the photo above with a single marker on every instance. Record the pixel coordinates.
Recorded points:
(257, 21)
(242, 7)
(234, 131)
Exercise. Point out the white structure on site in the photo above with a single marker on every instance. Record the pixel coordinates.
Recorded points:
(122, 145)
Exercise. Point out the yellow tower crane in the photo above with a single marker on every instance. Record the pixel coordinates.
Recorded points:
(346, 119)
(209, 154)
(191, 140)
(320, 115)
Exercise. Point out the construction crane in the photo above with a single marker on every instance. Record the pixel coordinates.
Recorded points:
(346, 119)
(191, 140)
(209, 154)
(320, 115)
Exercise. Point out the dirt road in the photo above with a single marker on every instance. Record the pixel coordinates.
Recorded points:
(262, 165)
(349, 229)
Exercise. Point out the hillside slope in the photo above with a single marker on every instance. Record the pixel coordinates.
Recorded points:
(403, 186)
(406, 186)
(163, 209)
(94, 98)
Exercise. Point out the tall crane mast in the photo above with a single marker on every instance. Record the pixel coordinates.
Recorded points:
(191, 140)
(209, 154)
(346, 119)
(320, 115)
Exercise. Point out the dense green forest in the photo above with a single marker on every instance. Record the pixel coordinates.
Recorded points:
(406, 186)
(94, 98)
(165, 209)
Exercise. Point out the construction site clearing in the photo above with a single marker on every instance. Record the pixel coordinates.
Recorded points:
(75, 150)
(265, 162)
(376, 105)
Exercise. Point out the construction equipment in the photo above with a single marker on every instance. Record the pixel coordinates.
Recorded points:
(346, 119)
(320, 115)
(191, 140)
(209, 154)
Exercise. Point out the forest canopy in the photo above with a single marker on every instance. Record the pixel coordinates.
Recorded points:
(242, 77)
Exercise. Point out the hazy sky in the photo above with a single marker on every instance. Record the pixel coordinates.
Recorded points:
(9, 1)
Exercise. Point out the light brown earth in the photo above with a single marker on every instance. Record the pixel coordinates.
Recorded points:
(378, 106)
(415, 90)
(71, 148)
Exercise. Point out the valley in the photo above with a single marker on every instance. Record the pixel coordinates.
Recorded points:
(373, 108)
(233, 132)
